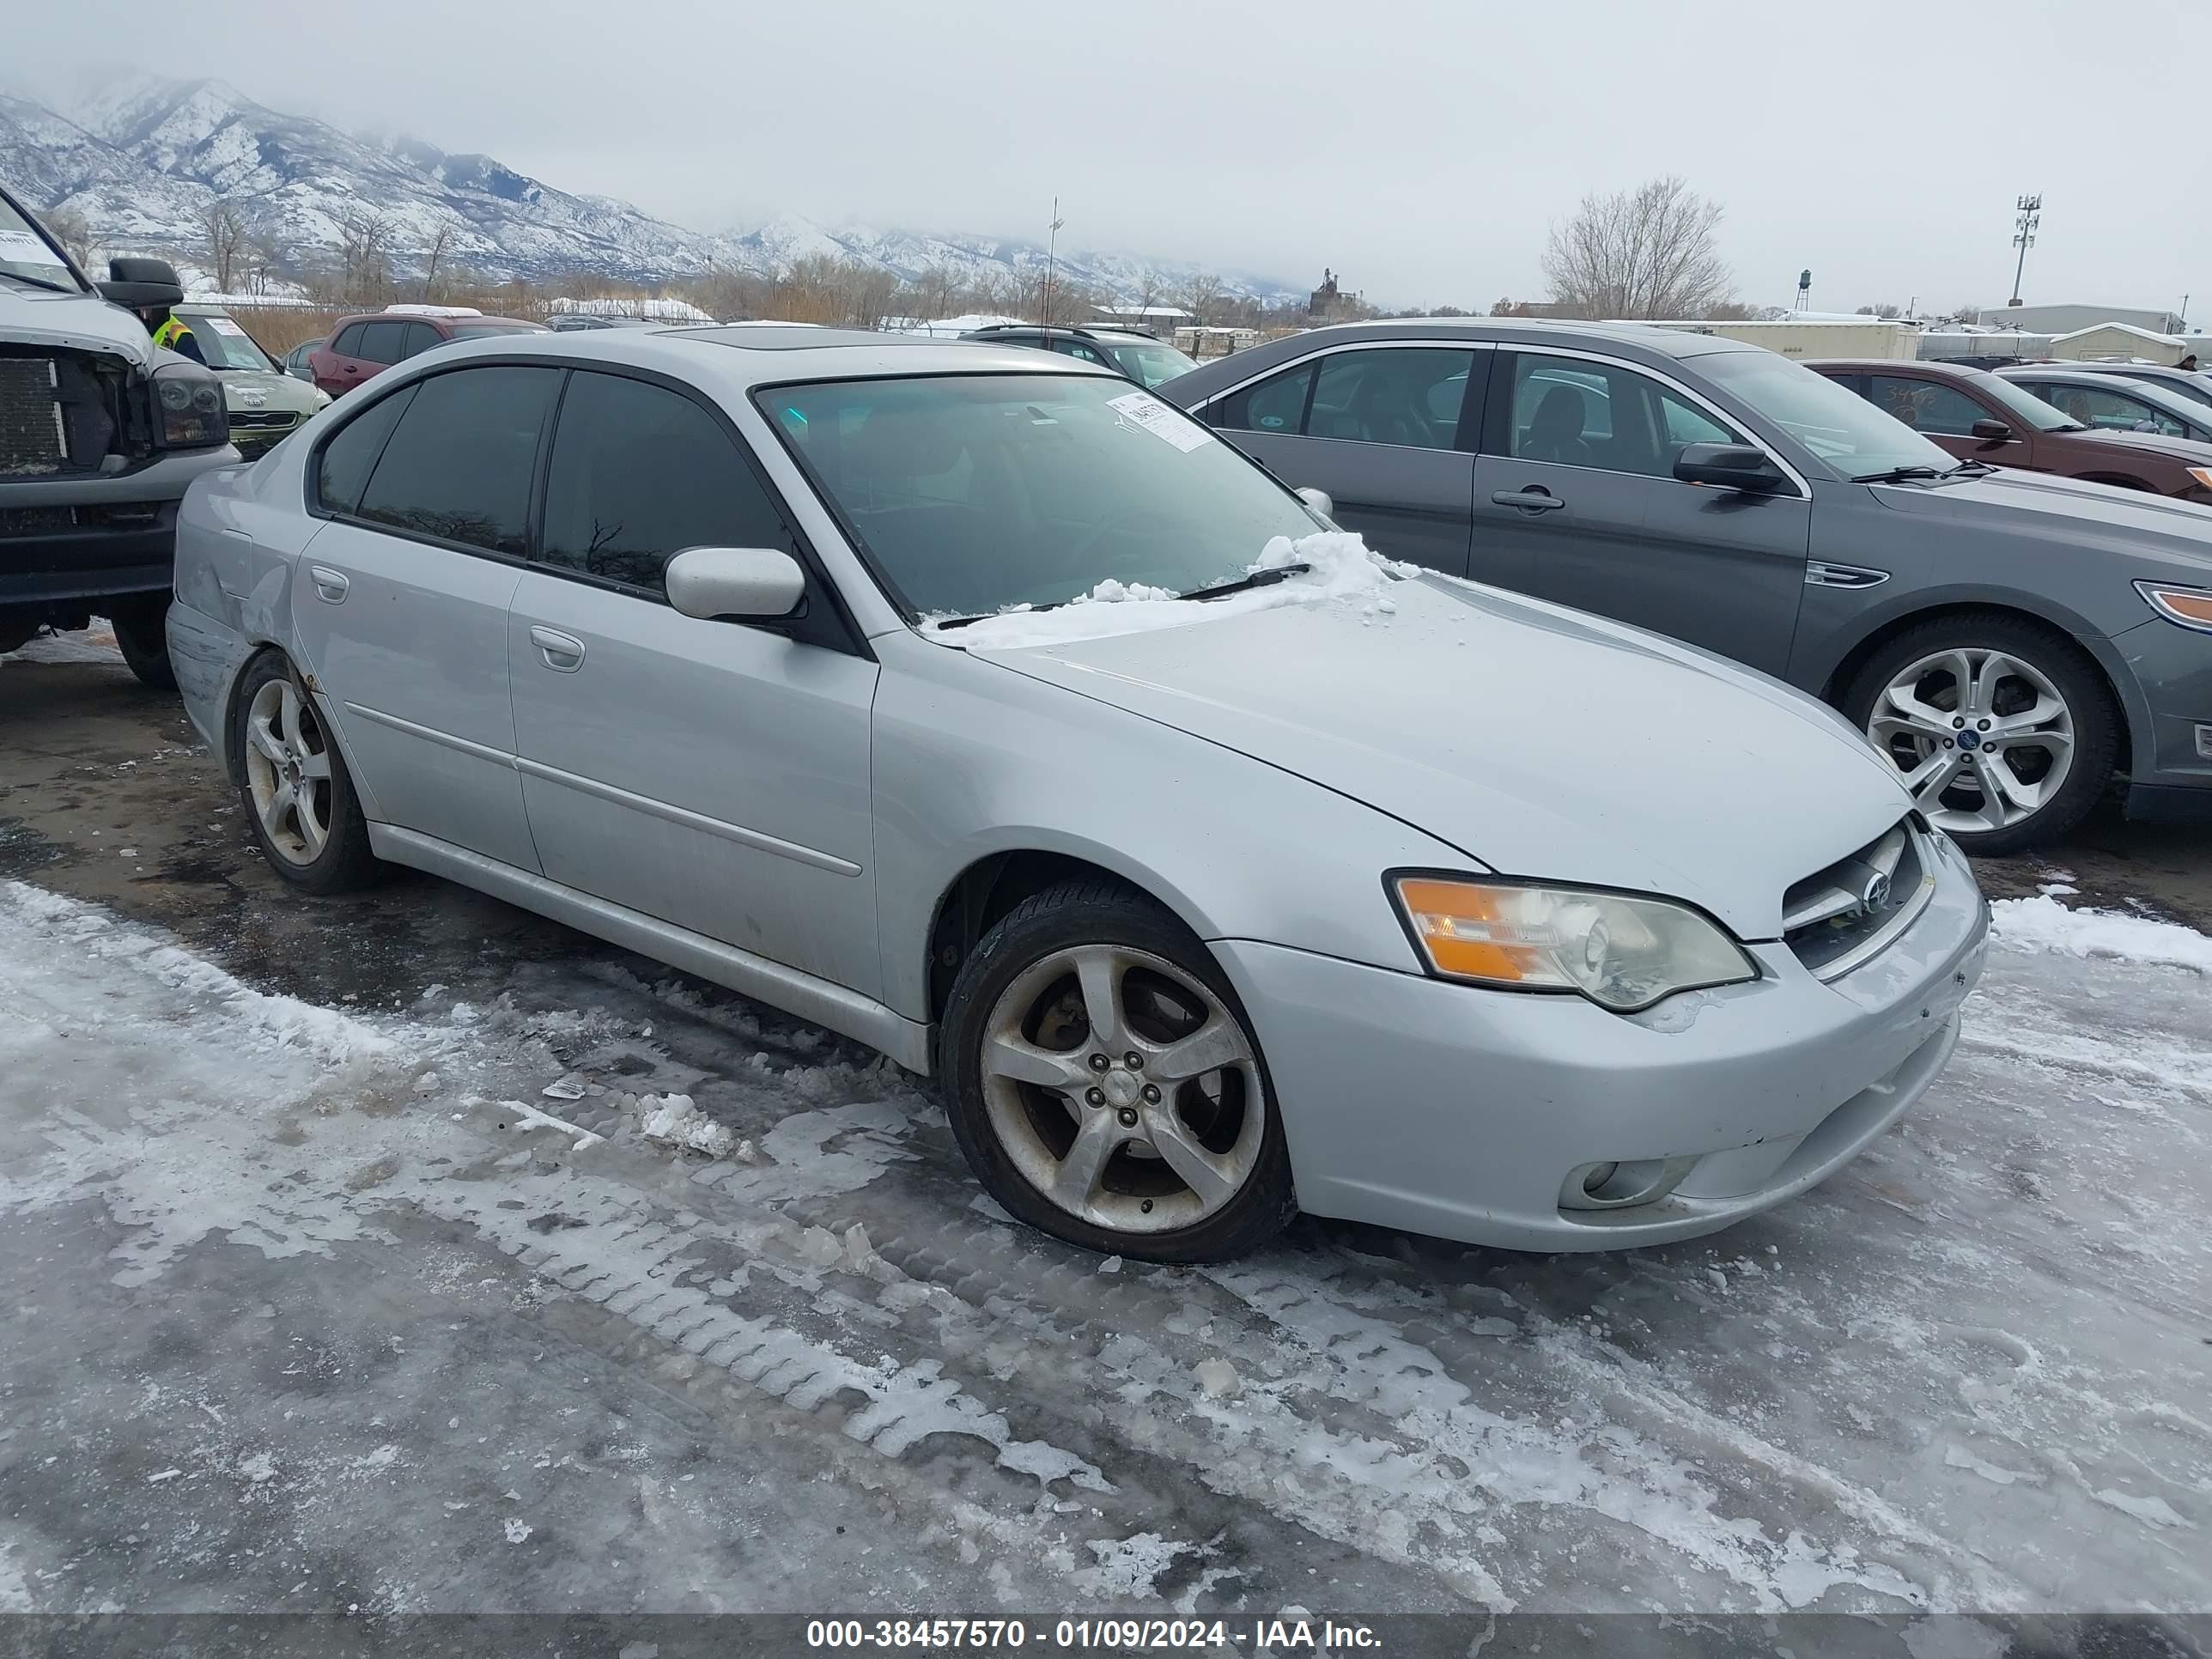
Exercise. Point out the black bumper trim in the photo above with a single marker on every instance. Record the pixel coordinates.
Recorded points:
(2170, 803)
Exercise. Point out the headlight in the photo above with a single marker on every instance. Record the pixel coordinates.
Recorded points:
(2189, 606)
(322, 399)
(188, 408)
(1622, 953)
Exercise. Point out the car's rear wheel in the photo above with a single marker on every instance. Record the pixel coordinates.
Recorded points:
(299, 798)
(2003, 730)
(1106, 1086)
(142, 635)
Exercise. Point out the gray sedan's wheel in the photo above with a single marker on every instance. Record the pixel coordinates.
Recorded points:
(300, 800)
(2003, 732)
(1106, 1087)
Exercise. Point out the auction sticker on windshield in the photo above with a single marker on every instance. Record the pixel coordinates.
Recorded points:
(224, 325)
(21, 248)
(1144, 409)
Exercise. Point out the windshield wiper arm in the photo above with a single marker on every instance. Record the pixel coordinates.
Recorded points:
(1897, 475)
(1266, 578)
(37, 281)
(943, 623)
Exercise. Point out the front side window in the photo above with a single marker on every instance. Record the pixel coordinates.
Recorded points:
(1075, 349)
(970, 494)
(348, 344)
(1277, 405)
(1575, 412)
(457, 467)
(1388, 395)
(639, 473)
(1846, 431)
(1927, 405)
(2114, 411)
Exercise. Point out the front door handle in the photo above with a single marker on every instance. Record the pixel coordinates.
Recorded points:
(562, 653)
(1534, 499)
(331, 584)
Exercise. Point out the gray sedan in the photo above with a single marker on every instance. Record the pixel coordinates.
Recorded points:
(986, 708)
(2014, 643)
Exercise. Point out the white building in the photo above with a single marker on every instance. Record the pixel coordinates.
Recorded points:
(2119, 343)
(2070, 318)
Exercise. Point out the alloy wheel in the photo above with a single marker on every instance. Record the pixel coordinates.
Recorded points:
(1122, 1089)
(288, 771)
(1984, 738)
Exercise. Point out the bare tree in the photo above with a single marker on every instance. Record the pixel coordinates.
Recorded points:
(365, 254)
(222, 228)
(70, 230)
(1887, 313)
(1647, 252)
(1199, 294)
(435, 257)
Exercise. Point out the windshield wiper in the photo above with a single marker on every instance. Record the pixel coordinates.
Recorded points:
(38, 282)
(1266, 578)
(943, 623)
(1970, 469)
(1897, 475)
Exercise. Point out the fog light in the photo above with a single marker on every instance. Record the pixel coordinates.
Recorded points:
(2204, 741)
(1598, 1176)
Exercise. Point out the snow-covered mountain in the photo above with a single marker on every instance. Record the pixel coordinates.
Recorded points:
(141, 159)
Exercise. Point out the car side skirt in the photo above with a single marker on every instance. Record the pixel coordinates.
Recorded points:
(845, 1011)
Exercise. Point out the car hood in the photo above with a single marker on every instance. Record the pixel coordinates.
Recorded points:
(77, 322)
(2089, 520)
(1540, 741)
(2183, 452)
(277, 390)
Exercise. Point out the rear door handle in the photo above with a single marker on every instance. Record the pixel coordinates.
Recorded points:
(562, 653)
(1534, 499)
(331, 584)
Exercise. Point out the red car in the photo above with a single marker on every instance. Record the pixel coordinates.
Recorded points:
(1978, 416)
(361, 348)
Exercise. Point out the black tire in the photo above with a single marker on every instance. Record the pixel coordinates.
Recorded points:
(1099, 911)
(2074, 675)
(345, 862)
(16, 632)
(142, 635)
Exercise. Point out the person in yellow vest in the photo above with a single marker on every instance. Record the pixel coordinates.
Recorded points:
(169, 330)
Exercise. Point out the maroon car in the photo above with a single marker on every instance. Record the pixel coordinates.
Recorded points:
(361, 348)
(1978, 416)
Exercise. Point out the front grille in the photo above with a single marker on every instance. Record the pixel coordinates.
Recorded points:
(269, 420)
(19, 521)
(34, 442)
(1837, 918)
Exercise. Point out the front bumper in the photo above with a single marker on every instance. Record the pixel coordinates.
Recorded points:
(208, 655)
(2171, 777)
(1452, 1110)
(67, 541)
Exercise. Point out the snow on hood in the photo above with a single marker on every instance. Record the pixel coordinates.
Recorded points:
(1341, 570)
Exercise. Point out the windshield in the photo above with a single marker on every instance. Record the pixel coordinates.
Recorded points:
(24, 252)
(2030, 409)
(224, 344)
(1148, 362)
(2183, 414)
(1834, 423)
(973, 493)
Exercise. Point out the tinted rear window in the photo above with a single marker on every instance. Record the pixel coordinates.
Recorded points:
(380, 341)
(458, 468)
(350, 455)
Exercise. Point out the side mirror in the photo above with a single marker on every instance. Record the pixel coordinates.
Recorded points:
(1729, 466)
(139, 283)
(735, 584)
(1995, 432)
(1319, 499)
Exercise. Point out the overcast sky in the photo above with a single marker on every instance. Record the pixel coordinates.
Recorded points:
(1420, 149)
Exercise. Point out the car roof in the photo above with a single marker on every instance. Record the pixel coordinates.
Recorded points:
(741, 358)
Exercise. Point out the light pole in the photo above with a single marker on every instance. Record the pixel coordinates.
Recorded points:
(2030, 209)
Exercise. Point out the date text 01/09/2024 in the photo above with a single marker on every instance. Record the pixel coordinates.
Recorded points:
(1280, 1635)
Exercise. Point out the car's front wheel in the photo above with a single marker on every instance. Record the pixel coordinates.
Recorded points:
(2003, 730)
(1106, 1086)
(299, 798)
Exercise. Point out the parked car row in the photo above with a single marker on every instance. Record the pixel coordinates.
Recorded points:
(361, 347)
(975, 703)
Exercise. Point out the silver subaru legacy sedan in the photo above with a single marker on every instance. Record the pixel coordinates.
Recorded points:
(987, 709)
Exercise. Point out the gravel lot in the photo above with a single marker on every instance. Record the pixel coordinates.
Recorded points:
(335, 1274)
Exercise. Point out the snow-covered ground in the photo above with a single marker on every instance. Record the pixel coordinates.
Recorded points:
(312, 1307)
